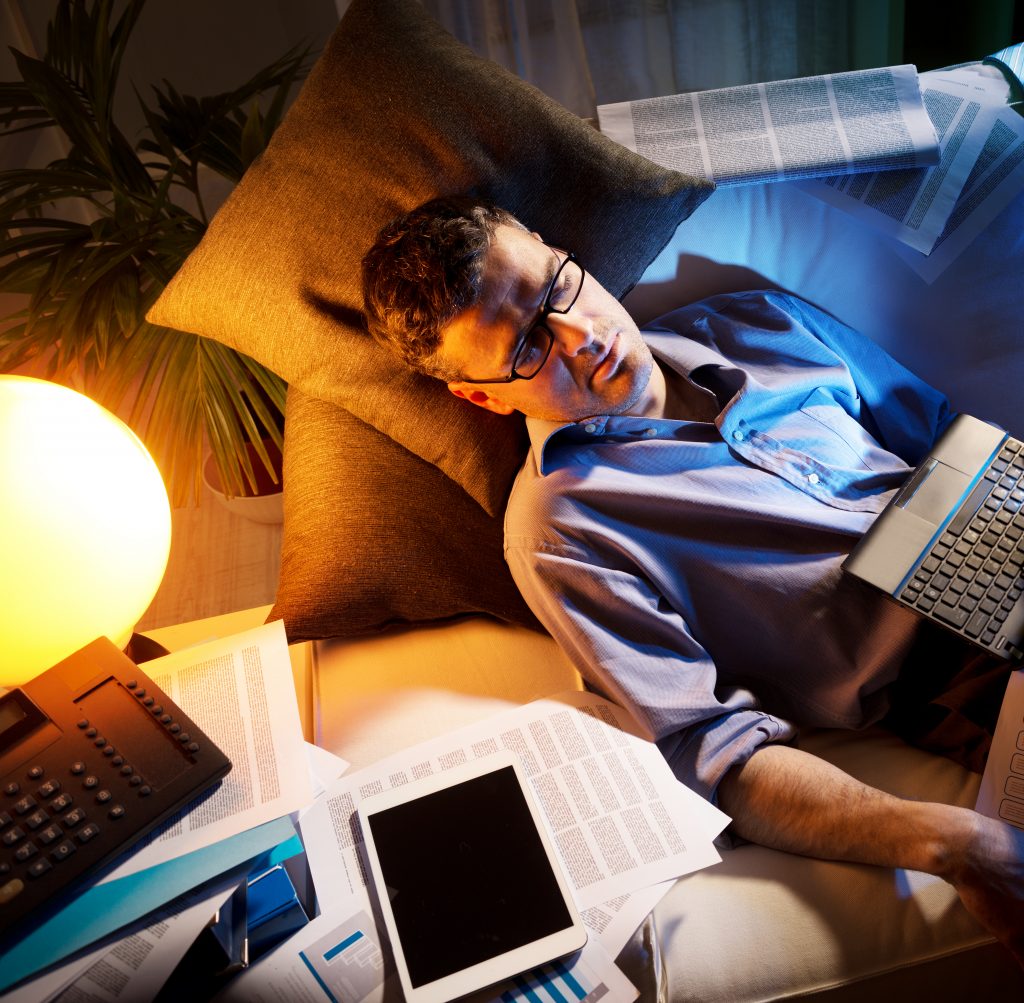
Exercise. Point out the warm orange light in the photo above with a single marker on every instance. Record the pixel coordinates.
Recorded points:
(85, 523)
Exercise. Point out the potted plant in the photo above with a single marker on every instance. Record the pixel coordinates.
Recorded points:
(91, 239)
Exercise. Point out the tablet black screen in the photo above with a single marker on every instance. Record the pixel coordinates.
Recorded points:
(467, 875)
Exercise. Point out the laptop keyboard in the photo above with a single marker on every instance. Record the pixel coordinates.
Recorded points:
(972, 576)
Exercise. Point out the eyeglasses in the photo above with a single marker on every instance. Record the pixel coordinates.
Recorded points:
(562, 293)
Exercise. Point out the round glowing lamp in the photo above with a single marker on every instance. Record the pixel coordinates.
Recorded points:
(86, 526)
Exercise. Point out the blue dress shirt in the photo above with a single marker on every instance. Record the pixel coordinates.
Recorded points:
(691, 567)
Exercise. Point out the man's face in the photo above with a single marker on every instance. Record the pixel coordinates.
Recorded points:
(599, 364)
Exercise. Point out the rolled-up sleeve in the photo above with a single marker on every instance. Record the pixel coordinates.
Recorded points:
(631, 646)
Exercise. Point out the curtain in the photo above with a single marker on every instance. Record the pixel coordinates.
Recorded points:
(589, 52)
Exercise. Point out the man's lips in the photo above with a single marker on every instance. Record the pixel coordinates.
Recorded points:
(608, 362)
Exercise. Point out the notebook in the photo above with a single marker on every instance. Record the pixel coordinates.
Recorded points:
(949, 544)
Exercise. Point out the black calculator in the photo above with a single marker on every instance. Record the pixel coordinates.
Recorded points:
(93, 755)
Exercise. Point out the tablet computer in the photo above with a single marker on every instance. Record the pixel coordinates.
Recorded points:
(469, 886)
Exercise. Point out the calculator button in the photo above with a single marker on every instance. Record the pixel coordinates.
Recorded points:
(48, 789)
(149, 701)
(39, 868)
(10, 890)
(5, 868)
(135, 781)
(49, 835)
(5, 819)
(117, 761)
(145, 790)
(60, 802)
(165, 718)
(63, 850)
(116, 812)
(12, 788)
(100, 742)
(103, 797)
(25, 805)
(90, 831)
(174, 729)
(109, 751)
(140, 693)
(90, 782)
(193, 746)
(131, 684)
(126, 771)
(12, 836)
(184, 737)
(157, 710)
(72, 818)
(78, 768)
(36, 772)
(84, 723)
(25, 852)
(36, 819)
(91, 733)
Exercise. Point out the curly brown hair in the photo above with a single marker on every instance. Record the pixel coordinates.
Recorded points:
(423, 270)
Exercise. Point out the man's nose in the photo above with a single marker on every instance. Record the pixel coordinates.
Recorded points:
(573, 331)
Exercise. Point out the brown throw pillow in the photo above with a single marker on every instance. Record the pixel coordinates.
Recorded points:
(374, 536)
(394, 112)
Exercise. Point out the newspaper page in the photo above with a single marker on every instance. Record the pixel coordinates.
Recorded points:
(914, 205)
(339, 956)
(837, 123)
(996, 178)
(1001, 794)
(240, 691)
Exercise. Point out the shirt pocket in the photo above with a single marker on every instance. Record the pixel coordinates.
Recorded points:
(845, 433)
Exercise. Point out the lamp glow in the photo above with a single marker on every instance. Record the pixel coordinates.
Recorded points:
(85, 521)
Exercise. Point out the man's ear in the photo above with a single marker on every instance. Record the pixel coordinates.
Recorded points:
(472, 393)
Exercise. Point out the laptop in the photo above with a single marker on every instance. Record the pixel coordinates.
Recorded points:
(950, 544)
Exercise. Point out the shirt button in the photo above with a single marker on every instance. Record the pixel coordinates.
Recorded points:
(813, 478)
(590, 427)
(738, 435)
(650, 432)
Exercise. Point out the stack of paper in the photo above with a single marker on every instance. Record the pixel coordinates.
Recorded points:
(109, 942)
(624, 828)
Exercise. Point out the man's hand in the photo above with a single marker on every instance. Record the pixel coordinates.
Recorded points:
(988, 874)
(790, 800)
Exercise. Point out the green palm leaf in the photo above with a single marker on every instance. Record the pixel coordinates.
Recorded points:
(91, 240)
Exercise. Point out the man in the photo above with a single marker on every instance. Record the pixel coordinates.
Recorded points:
(680, 520)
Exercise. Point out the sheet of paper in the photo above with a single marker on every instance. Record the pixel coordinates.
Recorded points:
(239, 690)
(864, 120)
(324, 767)
(131, 968)
(914, 205)
(1001, 794)
(996, 178)
(339, 957)
(620, 821)
(615, 921)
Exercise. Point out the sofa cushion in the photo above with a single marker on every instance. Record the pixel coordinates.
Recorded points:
(394, 112)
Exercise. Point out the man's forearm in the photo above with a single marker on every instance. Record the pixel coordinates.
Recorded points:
(790, 800)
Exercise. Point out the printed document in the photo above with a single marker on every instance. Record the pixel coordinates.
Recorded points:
(619, 819)
(913, 205)
(1002, 785)
(837, 123)
(240, 691)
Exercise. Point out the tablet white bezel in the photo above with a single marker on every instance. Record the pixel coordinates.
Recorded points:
(503, 966)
